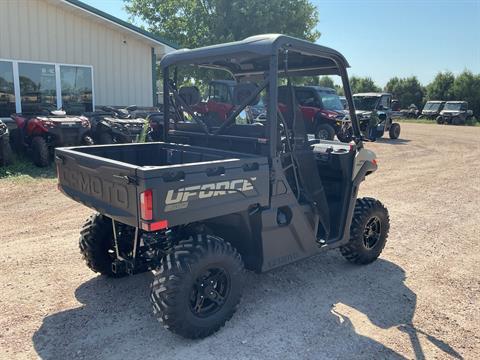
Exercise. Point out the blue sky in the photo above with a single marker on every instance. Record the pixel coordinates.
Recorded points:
(386, 38)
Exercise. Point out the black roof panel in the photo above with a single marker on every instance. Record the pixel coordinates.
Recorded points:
(251, 56)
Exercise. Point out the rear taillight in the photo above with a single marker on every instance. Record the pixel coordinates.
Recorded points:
(146, 205)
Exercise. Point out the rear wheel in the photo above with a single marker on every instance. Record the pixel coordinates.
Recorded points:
(458, 121)
(440, 120)
(198, 286)
(16, 141)
(325, 132)
(97, 245)
(40, 152)
(368, 232)
(394, 131)
(5, 152)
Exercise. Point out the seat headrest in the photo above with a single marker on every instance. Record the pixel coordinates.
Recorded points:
(244, 90)
(190, 94)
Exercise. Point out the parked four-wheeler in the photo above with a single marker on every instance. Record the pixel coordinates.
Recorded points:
(212, 201)
(455, 113)
(321, 109)
(114, 125)
(380, 103)
(219, 102)
(431, 110)
(5, 150)
(40, 133)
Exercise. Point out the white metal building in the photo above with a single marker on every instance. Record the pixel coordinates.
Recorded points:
(71, 55)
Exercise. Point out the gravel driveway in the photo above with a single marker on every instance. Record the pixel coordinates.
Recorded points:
(419, 300)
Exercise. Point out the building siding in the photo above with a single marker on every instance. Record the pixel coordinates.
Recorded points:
(39, 30)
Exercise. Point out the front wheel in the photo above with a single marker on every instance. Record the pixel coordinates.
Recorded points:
(368, 232)
(345, 135)
(87, 140)
(105, 138)
(440, 120)
(40, 151)
(197, 286)
(325, 132)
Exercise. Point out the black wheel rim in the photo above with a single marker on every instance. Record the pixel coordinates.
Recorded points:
(209, 292)
(372, 232)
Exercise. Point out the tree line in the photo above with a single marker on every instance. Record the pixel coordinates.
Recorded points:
(445, 86)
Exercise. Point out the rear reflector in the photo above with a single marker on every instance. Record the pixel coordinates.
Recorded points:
(146, 205)
(155, 226)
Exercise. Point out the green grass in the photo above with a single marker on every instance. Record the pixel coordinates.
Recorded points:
(23, 169)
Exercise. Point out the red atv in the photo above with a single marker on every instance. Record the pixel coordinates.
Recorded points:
(219, 102)
(42, 132)
(322, 111)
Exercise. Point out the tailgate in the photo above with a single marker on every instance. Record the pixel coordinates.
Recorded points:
(105, 185)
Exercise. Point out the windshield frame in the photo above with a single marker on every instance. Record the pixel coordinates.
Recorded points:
(362, 97)
(457, 106)
(321, 94)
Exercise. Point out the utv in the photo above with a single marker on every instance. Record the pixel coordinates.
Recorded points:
(432, 109)
(5, 150)
(367, 103)
(43, 131)
(115, 125)
(210, 202)
(321, 109)
(455, 113)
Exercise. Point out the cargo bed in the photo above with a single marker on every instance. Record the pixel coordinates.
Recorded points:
(186, 182)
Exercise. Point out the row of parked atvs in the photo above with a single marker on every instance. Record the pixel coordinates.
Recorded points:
(39, 134)
(444, 112)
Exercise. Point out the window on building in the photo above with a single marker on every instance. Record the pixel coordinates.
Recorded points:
(37, 87)
(7, 91)
(76, 85)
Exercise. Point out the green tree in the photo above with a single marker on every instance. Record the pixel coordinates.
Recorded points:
(195, 23)
(441, 88)
(467, 87)
(326, 81)
(407, 90)
(363, 84)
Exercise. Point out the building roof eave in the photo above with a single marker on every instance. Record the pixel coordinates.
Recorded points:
(121, 23)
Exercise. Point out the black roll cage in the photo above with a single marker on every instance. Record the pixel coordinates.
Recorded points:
(258, 57)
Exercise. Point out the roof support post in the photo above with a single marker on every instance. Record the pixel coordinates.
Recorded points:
(154, 77)
(272, 104)
(166, 103)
